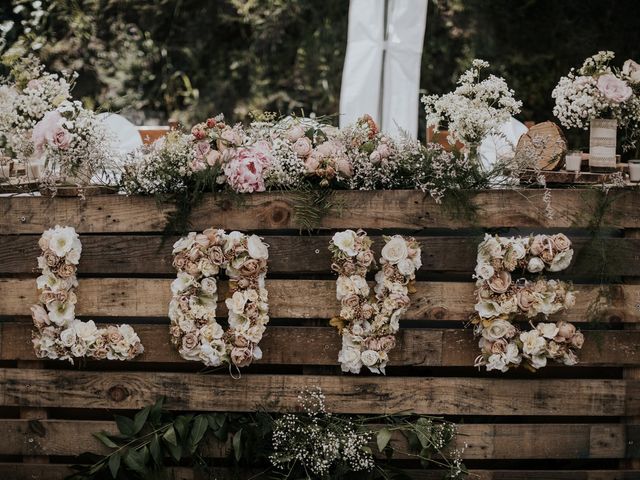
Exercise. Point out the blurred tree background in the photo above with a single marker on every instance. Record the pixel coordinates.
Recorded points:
(187, 59)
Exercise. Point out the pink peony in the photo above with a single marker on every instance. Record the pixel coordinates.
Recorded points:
(303, 147)
(614, 89)
(245, 171)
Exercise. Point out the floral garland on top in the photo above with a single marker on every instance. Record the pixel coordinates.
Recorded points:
(368, 327)
(198, 259)
(500, 299)
(59, 335)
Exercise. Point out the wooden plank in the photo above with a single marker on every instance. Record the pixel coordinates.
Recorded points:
(478, 441)
(320, 346)
(17, 471)
(401, 209)
(149, 255)
(345, 394)
(32, 414)
(148, 297)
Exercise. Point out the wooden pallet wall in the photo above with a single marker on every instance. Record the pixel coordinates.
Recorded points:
(561, 423)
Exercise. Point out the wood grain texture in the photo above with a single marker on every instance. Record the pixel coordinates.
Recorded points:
(149, 255)
(16, 471)
(345, 394)
(320, 346)
(401, 209)
(479, 441)
(149, 297)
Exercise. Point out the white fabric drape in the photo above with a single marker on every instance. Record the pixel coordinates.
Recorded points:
(381, 74)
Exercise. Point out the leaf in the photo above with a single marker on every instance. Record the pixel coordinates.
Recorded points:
(175, 450)
(114, 464)
(134, 459)
(155, 414)
(181, 425)
(156, 450)
(140, 419)
(237, 445)
(103, 437)
(383, 438)
(170, 436)
(125, 425)
(198, 430)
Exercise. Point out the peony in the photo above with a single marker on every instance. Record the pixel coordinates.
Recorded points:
(257, 248)
(538, 361)
(182, 283)
(349, 357)
(632, 71)
(561, 261)
(236, 303)
(535, 265)
(497, 362)
(614, 89)
(245, 171)
(532, 342)
(302, 147)
(346, 241)
(395, 250)
(406, 267)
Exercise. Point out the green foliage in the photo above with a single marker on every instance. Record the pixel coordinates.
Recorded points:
(154, 439)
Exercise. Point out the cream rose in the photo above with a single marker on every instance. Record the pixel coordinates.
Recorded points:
(346, 241)
(257, 248)
(535, 265)
(395, 250)
(498, 329)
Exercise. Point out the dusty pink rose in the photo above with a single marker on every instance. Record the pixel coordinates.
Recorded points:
(229, 138)
(303, 147)
(525, 299)
(197, 165)
(45, 129)
(375, 157)
(500, 282)
(213, 157)
(577, 340)
(241, 357)
(61, 138)
(561, 242)
(201, 150)
(198, 132)
(499, 346)
(538, 244)
(366, 311)
(613, 88)
(295, 133)
(343, 165)
(566, 330)
(245, 171)
(387, 343)
(312, 163)
(384, 150)
(190, 341)
(40, 316)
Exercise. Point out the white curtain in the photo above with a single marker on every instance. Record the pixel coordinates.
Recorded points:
(381, 73)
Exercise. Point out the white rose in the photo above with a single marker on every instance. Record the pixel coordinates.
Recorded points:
(632, 70)
(535, 265)
(232, 239)
(257, 248)
(185, 243)
(519, 250)
(211, 332)
(209, 286)
(236, 303)
(182, 283)
(62, 240)
(128, 334)
(395, 250)
(512, 354)
(484, 271)
(497, 330)
(360, 284)
(538, 361)
(497, 362)
(406, 267)
(68, 337)
(73, 256)
(349, 359)
(547, 330)
(344, 287)
(86, 331)
(346, 242)
(369, 357)
(561, 261)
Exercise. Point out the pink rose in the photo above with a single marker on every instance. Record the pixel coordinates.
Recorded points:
(213, 157)
(613, 88)
(343, 165)
(197, 165)
(375, 157)
(241, 357)
(201, 150)
(198, 132)
(245, 171)
(229, 138)
(303, 147)
(295, 133)
(61, 138)
(384, 150)
(45, 129)
(312, 163)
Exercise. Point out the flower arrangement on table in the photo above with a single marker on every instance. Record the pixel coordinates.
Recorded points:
(59, 335)
(199, 259)
(597, 90)
(477, 108)
(368, 326)
(501, 300)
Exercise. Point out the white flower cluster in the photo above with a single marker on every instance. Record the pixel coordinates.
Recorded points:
(317, 444)
(199, 259)
(501, 299)
(475, 109)
(24, 102)
(597, 91)
(368, 326)
(59, 335)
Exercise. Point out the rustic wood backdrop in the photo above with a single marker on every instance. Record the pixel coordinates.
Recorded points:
(561, 423)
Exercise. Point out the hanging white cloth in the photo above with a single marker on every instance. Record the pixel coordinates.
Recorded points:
(381, 74)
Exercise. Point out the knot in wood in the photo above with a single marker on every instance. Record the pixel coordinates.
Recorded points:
(279, 215)
(437, 313)
(118, 393)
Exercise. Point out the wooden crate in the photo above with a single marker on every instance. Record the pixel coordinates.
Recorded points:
(569, 423)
